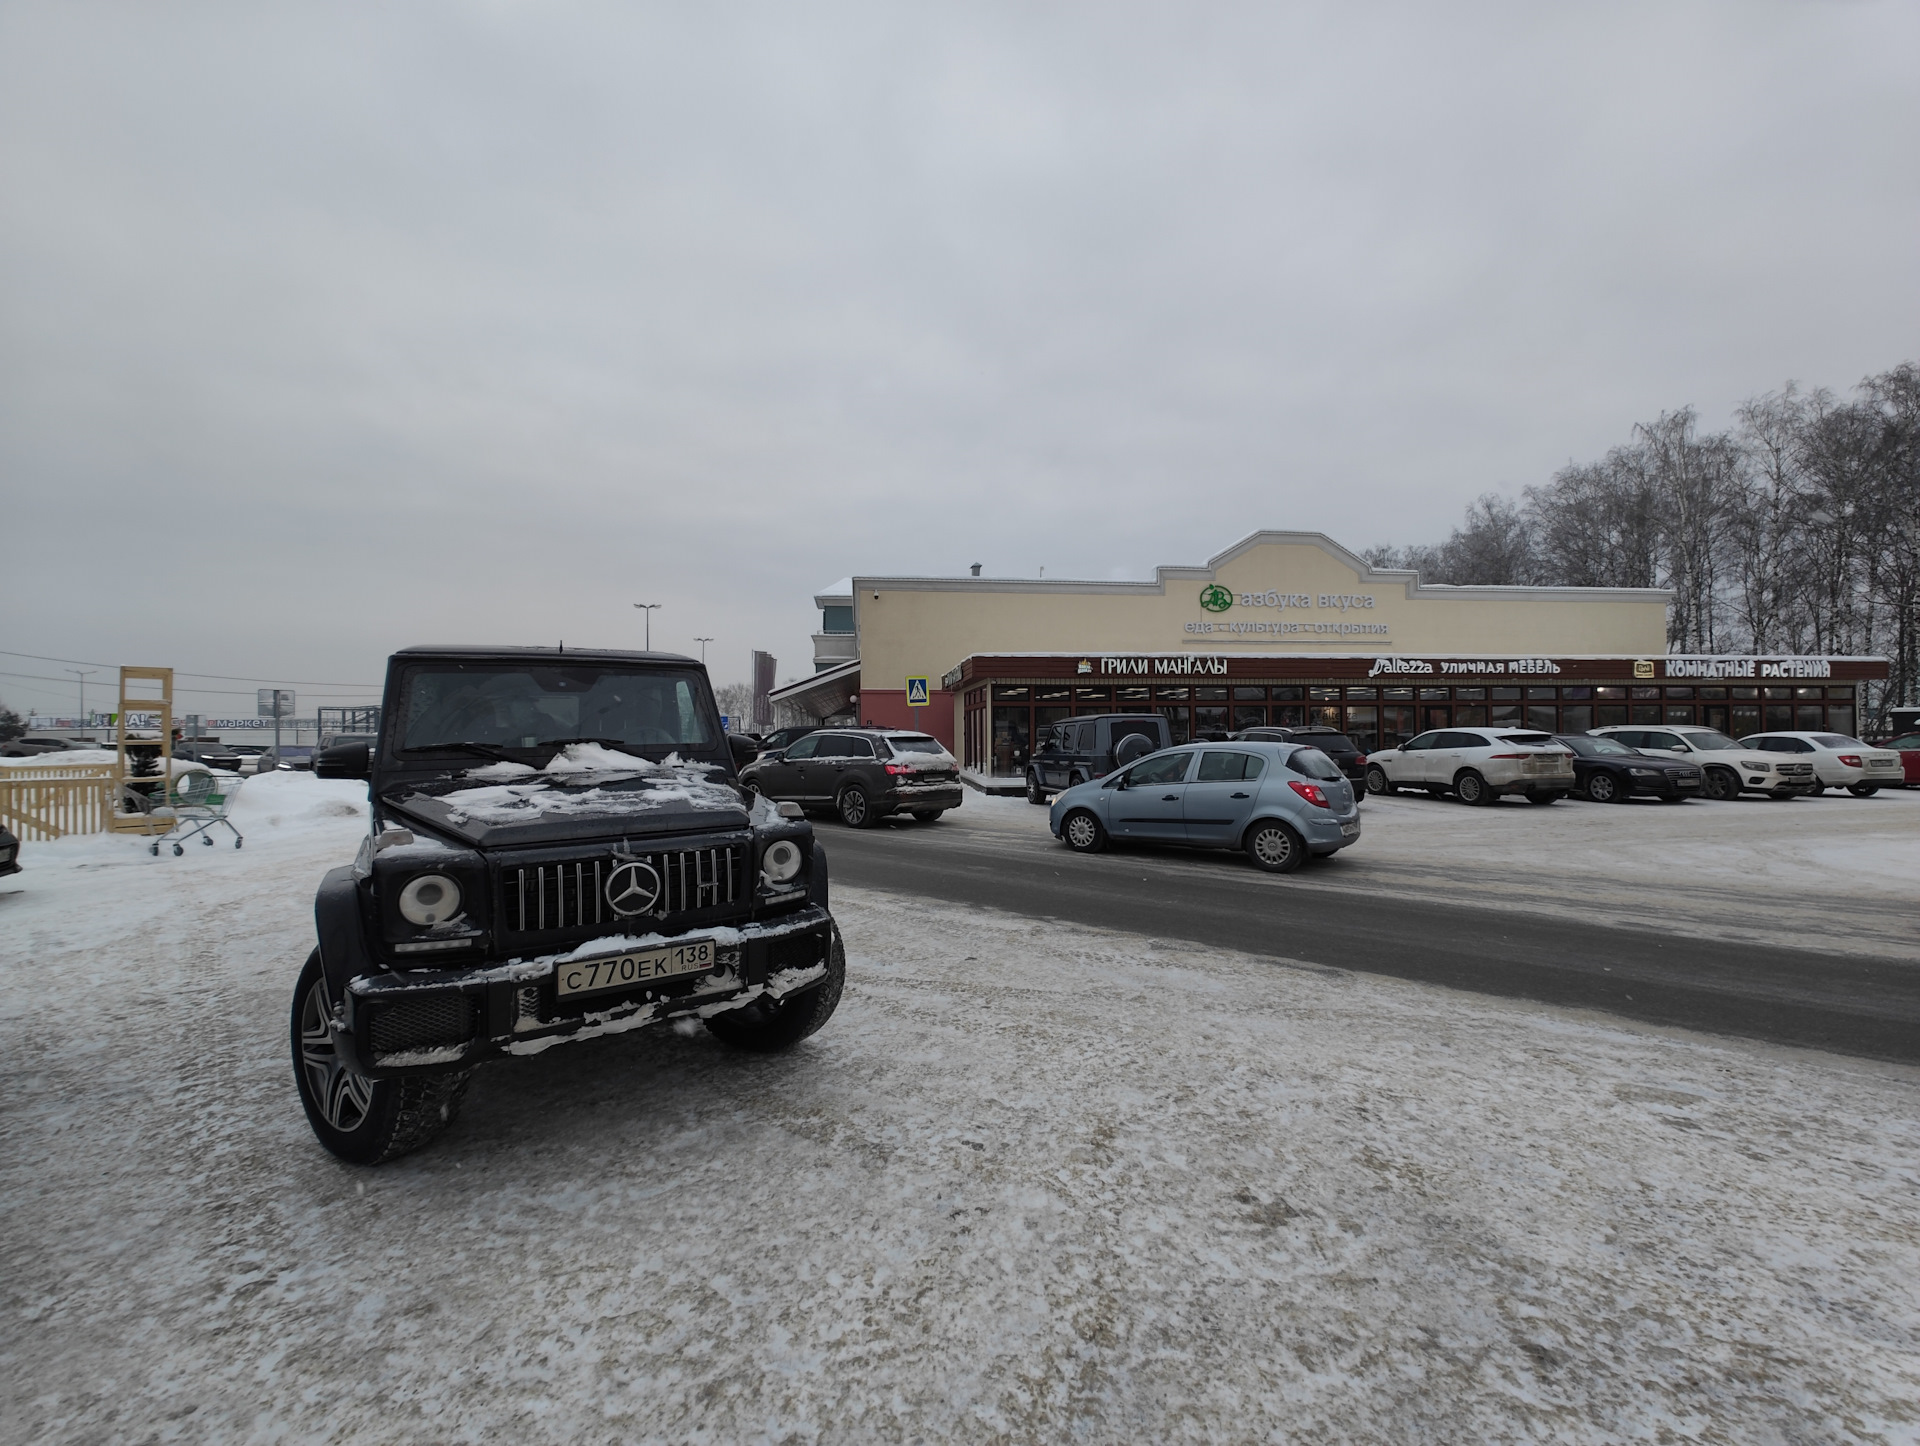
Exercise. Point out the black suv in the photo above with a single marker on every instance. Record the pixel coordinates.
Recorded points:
(863, 774)
(1080, 750)
(1344, 752)
(560, 849)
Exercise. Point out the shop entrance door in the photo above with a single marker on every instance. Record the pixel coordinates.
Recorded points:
(1714, 715)
(1436, 717)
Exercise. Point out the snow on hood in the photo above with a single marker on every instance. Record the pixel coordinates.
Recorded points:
(585, 779)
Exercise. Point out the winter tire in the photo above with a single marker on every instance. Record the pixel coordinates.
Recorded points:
(1816, 790)
(1603, 788)
(1471, 788)
(1083, 833)
(854, 810)
(1545, 797)
(1722, 785)
(767, 1027)
(928, 815)
(1275, 847)
(1035, 793)
(1377, 781)
(1863, 790)
(363, 1121)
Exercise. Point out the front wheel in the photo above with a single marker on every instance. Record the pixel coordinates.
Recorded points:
(1863, 790)
(1035, 793)
(855, 811)
(1722, 785)
(1083, 833)
(1603, 788)
(769, 1026)
(1378, 782)
(363, 1121)
(1471, 788)
(1816, 790)
(1275, 847)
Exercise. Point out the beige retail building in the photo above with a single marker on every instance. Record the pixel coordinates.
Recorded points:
(1284, 628)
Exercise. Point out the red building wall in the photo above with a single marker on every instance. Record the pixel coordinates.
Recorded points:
(887, 708)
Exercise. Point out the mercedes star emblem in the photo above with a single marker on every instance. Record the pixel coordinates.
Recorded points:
(633, 888)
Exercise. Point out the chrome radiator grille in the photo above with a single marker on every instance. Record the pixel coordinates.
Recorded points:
(572, 894)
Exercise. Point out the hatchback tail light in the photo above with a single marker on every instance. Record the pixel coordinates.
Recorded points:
(1311, 792)
(1852, 760)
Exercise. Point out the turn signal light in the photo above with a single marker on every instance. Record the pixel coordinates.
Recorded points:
(1310, 792)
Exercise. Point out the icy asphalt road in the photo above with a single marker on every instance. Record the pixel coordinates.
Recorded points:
(1792, 922)
(1034, 1183)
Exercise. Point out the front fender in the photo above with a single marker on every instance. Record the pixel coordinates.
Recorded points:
(817, 880)
(341, 931)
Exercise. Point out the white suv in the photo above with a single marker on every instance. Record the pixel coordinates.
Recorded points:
(1838, 761)
(1731, 768)
(1476, 765)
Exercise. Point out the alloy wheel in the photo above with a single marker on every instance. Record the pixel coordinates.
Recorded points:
(1601, 789)
(853, 808)
(343, 1097)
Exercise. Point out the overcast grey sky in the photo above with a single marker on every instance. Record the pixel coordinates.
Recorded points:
(326, 329)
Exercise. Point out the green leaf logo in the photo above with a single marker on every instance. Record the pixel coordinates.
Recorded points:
(1215, 599)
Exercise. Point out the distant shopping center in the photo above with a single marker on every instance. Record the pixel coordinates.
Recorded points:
(1284, 628)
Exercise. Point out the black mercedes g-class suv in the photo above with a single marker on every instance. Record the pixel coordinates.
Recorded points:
(1082, 749)
(559, 849)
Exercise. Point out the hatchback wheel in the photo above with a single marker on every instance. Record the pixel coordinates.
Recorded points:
(1602, 788)
(1083, 832)
(855, 811)
(1377, 781)
(1471, 788)
(1863, 790)
(1275, 847)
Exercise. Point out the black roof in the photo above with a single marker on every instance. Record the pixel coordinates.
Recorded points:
(461, 651)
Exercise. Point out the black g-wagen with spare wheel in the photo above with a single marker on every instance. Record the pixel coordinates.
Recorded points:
(560, 849)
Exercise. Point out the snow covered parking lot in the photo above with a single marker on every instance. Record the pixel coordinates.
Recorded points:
(1032, 1183)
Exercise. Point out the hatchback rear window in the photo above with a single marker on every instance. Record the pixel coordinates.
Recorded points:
(916, 745)
(1312, 763)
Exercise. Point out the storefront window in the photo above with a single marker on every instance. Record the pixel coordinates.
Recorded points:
(1680, 692)
(1324, 695)
(1210, 695)
(1469, 695)
(1746, 719)
(1539, 695)
(1646, 712)
(1713, 692)
(1640, 690)
(1774, 693)
(1506, 715)
(1324, 717)
(1779, 717)
(1500, 695)
(1746, 692)
(1137, 694)
(1475, 717)
(1397, 695)
(1292, 715)
(1581, 694)
(1170, 695)
(1084, 709)
(1244, 693)
(1289, 695)
(1805, 693)
(1809, 717)
(1004, 693)
(1092, 695)
(1543, 716)
(1610, 715)
(1608, 694)
(1433, 695)
(1177, 722)
(1363, 727)
(1436, 717)
(1052, 695)
(1356, 694)
(1210, 720)
(1576, 717)
(1012, 743)
(1678, 713)
(1840, 693)
(1396, 721)
(1840, 717)
(1245, 717)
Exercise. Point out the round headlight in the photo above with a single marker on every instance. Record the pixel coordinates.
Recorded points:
(781, 861)
(429, 899)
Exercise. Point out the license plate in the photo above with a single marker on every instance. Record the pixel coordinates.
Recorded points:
(1349, 830)
(624, 971)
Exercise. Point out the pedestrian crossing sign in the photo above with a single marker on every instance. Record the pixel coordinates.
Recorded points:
(916, 692)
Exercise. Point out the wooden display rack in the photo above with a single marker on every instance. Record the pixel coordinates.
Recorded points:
(160, 680)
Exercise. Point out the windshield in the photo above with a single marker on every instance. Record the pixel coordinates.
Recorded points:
(1707, 739)
(506, 705)
(916, 745)
(1837, 740)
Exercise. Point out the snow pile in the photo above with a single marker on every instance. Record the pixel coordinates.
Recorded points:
(579, 781)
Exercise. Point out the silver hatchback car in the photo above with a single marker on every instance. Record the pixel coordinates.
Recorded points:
(1281, 802)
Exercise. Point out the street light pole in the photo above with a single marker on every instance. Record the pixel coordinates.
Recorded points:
(703, 649)
(83, 674)
(648, 608)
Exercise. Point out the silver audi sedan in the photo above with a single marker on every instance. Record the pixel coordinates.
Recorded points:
(1281, 802)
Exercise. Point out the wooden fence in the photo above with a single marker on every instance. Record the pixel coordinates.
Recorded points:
(47, 801)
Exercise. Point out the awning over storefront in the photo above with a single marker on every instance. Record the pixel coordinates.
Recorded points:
(827, 693)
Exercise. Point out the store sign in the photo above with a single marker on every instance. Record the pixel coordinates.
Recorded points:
(1182, 666)
(1749, 668)
(1463, 667)
(1217, 599)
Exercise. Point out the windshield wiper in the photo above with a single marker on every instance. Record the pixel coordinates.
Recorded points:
(485, 750)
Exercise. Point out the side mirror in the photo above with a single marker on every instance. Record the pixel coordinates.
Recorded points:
(744, 750)
(343, 760)
(773, 755)
(1681, 748)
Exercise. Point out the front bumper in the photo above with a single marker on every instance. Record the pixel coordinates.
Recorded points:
(431, 1021)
